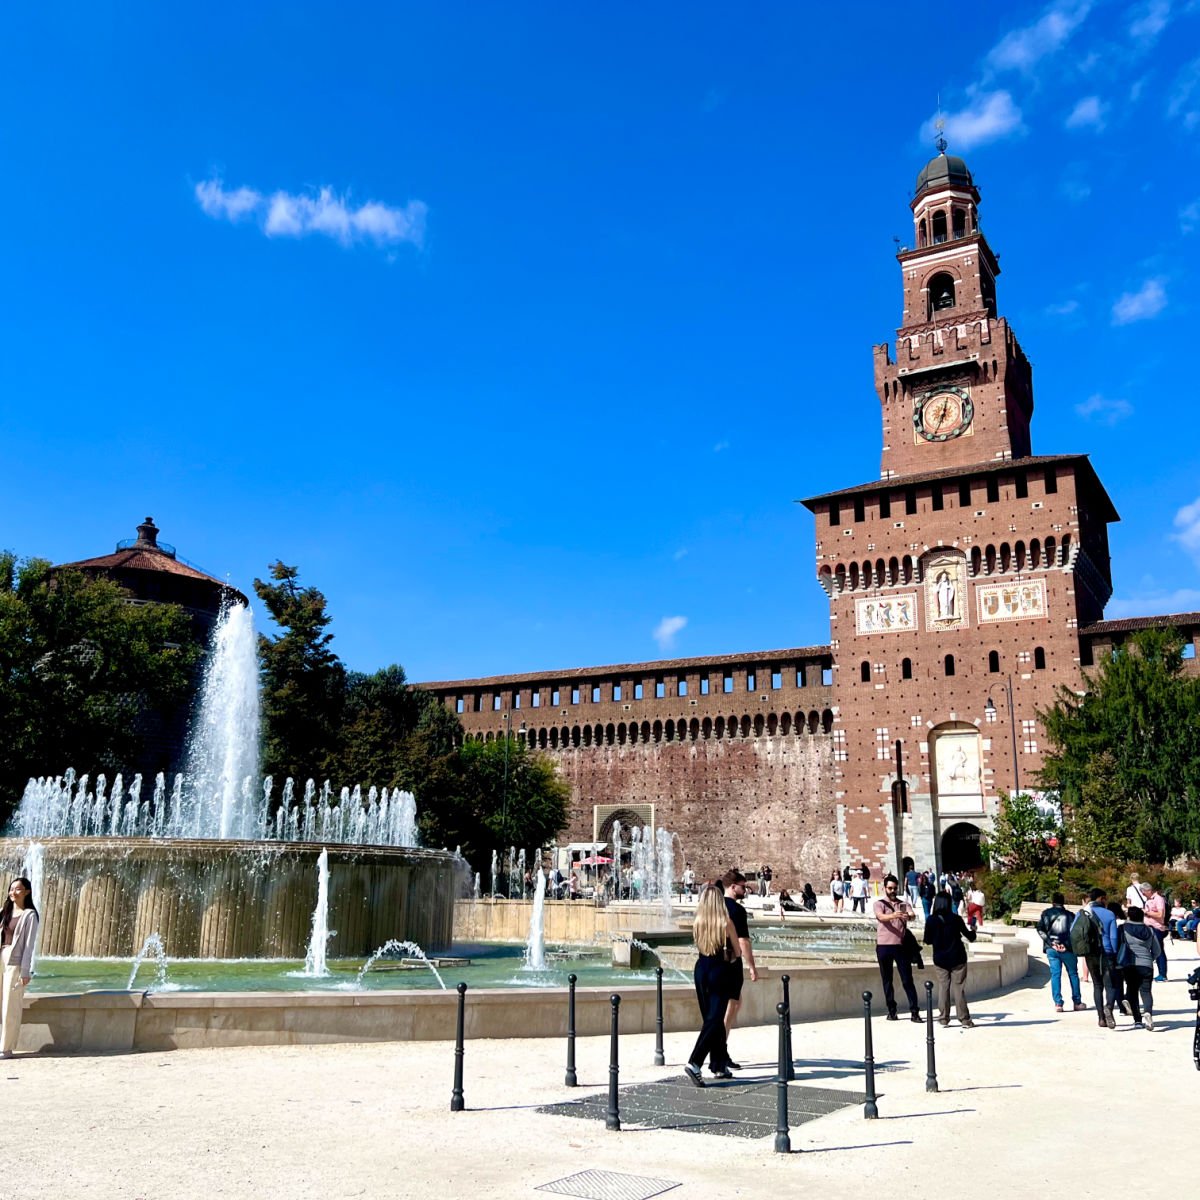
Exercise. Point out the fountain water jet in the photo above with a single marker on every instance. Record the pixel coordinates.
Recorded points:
(535, 944)
(392, 945)
(315, 965)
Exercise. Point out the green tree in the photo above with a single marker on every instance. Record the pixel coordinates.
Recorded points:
(1025, 837)
(490, 796)
(1125, 755)
(81, 672)
(304, 682)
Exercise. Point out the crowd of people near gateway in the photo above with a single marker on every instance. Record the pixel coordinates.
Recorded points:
(1117, 947)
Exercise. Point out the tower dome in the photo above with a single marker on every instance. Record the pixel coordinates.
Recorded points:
(944, 170)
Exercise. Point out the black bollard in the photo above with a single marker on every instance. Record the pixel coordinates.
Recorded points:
(783, 1143)
(571, 1079)
(660, 1058)
(870, 1108)
(930, 1065)
(612, 1119)
(456, 1096)
(787, 1003)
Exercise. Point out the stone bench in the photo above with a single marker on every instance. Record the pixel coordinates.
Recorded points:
(1029, 913)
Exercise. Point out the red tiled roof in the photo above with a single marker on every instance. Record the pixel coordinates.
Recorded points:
(665, 664)
(140, 559)
(1133, 624)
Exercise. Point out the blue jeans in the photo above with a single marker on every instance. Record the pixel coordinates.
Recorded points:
(1058, 959)
(1160, 959)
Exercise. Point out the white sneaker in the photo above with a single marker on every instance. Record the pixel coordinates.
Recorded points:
(1148, 1021)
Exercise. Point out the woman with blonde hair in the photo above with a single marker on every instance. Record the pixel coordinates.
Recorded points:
(18, 930)
(712, 931)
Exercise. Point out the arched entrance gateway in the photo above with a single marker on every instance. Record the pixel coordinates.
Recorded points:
(960, 847)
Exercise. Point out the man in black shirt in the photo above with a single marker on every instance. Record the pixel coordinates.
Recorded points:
(734, 883)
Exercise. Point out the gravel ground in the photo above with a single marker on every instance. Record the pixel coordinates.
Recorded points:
(374, 1120)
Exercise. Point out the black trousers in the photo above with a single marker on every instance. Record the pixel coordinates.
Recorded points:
(1103, 972)
(712, 993)
(887, 956)
(1138, 986)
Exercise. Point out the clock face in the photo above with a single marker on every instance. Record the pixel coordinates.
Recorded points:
(941, 415)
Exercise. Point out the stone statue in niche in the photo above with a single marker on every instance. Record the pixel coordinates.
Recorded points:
(945, 591)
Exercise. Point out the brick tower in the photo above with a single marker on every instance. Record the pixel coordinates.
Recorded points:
(958, 581)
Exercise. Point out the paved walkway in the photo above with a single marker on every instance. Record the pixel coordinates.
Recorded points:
(1029, 1099)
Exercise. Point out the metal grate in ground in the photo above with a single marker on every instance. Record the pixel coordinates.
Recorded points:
(732, 1109)
(608, 1185)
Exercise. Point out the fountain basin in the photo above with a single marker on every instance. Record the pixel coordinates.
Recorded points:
(214, 898)
(120, 1022)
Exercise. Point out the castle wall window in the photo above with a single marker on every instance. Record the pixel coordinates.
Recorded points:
(1022, 484)
(960, 223)
(556, 697)
(993, 490)
(776, 679)
(993, 661)
(596, 695)
(459, 705)
(827, 677)
(1039, 658)
(574, 695)
(865, 672)
(1188, 653)
(859, 510)
(478, 705)
(704, 685)
(885, 505)
(910, 501)
(937, 498)
(949, 664)
(964, 494)
(835, 516)
(750, 681)
(638, 691)
(727, 684)
(537, 698)
(682, 687)
(496, 703)
(660, 689)
(616, 691)
(939, 227)
(906, 668)
(1051, 482)
(800, 680)
(516, 699)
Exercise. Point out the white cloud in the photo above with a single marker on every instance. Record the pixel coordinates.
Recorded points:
(1189, 217)
(230, 206)
(680, 554)
(1152, 603)
(988, 116)
(1150, 19)
(1148, 301)
(285, 215)
(665, 631)
(720, 446)
(1023, 48)
(1184, 103)
(1100, 408)
(1075, 189)
(1187, 522)
(1065, 309)
(1089, 113)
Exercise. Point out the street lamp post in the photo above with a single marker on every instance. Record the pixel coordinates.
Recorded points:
(990, 708)
(507, 719)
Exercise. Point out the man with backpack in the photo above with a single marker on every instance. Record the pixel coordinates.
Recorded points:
(1093, 938)
(1054, 928)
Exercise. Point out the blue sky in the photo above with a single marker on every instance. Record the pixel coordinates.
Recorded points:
(519, 328)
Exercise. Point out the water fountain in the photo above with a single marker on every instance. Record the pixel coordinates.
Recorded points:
(211, 863)
(315, 964)
(535, 945)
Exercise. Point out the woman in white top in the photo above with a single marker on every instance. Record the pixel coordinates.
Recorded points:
(835, 890)
(18, 932)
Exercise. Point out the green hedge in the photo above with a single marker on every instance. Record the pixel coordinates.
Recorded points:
(1007, 891)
